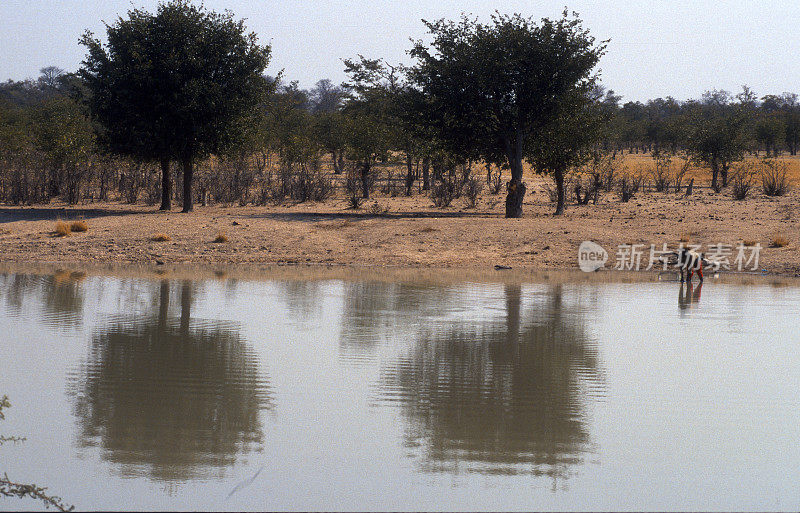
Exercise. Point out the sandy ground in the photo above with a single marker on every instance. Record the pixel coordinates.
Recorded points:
(411, 233)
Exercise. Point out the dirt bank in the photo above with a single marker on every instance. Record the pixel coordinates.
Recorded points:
(410, 233)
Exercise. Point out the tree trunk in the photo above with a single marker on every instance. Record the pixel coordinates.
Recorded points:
(724, 173)
(166, 186)
(188, 171)
(409, 174)
(337, 168)
(714, 174)
(516, 189)
(426, 174)
(558, 175)
(365, 168)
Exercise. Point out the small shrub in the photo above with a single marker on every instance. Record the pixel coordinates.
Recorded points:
(685, 237)
(749, 242)
(62, 229)
(428, 229)
(661, 173)
(352, 188)
(444, 192)
(79, 226)
(221, 238)
(376, 209)
(773, 178)
(742, 182)
(779, 241)
(472, 189)
(160, 237)
(629, 185)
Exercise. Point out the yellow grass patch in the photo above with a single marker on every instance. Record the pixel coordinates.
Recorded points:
(78, 226)
(160, 237)
(685, 237)
(778, 241)
(749, 242)
(221, 237)
(62, 229)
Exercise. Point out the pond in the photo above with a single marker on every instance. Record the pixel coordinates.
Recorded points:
(271, 391)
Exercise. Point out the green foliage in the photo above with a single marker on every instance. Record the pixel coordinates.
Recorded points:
(174, 84)
(489, 89)
(719, 134)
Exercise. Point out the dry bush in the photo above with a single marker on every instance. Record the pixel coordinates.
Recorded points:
(685, 237)
(376, 209)
(749, 242)
(778, 241)
(629, 184)
(661, 173)
(352, 187)
(773, 177)
(742, 180)
(472, 189)
(62, 229)
(428, 229)
(445, 190)
(79, 226)
(221, 237)
(160, 237)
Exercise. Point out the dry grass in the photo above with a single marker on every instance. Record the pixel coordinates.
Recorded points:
(685, 237)
(4, 231)
(221, 237)
(62, 229)
(778, 241)
(161, 237)
(749, 242)
(79, 226)
(429, 229)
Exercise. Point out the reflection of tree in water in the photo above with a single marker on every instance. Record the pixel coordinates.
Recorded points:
(170, 396)
(499, 397)
(60, 295)
(373, 309)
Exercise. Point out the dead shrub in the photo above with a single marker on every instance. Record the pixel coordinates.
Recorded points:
(629, 185)
(221, 238)
(773, 177)
(79, 226)
(779, 241)
(742, 181)
(445, 190)
(160, 237)
(62, 229)
(661, 173)
(472, 189)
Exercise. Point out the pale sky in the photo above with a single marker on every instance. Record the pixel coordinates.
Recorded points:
(657, 48)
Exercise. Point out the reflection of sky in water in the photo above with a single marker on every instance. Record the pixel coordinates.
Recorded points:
(226, 394)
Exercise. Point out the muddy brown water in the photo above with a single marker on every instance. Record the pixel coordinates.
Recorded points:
(354, 390)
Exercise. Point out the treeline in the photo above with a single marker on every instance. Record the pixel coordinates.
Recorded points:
(469, 110)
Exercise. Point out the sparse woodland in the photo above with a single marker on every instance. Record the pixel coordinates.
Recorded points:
(460, 122)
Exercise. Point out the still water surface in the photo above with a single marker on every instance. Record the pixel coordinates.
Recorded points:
(147, 393)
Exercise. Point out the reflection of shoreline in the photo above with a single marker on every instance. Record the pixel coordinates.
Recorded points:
(502, 398)
(167, 395)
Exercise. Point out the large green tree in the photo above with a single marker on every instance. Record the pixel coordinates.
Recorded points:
(491, 87)
(174, 85)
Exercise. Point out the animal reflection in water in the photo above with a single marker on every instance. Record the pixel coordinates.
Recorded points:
(499, 397)
(170, 397)
(689, 295)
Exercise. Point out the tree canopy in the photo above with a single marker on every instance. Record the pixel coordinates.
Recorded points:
(174, 84)
(489, 88)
